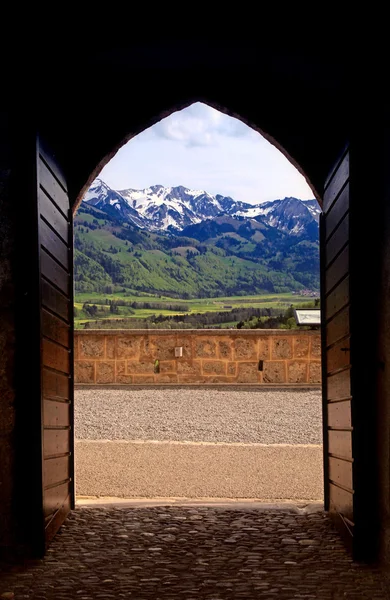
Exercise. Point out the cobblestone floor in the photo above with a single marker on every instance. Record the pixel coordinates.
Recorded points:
(194, 553)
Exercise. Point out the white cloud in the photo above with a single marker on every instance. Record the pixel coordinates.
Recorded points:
(200, 125)
(202, 148)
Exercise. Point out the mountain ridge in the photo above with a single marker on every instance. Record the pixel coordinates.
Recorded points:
(159, 208)
(181, 244)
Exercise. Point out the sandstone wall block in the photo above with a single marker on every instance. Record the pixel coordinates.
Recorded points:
(297, 371)
(84, 371)
(105, 371)
(110, 346)
(166, 378)
(162, 348)
(315, 372)
(225, 349)
(264, 348)
(191, 379)
(168, 366)
(245, 348)
(135, 366)
(143, 379)
(205, 348)
(91, 346)
(121, 374)
(315, 350)
(186, 343)
(281, 347)
(248, 372)
(274, 372)
(127, 346)
(301, 347)
(232, 369)
(218, 379)
(214, 367)
(188, 367)
(75, 347)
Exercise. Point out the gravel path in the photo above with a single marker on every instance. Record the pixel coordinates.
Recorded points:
(201, 415)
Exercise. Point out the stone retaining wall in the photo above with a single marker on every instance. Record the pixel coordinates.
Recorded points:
(208, 356)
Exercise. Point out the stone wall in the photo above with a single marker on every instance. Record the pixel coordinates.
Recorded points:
(208, 356)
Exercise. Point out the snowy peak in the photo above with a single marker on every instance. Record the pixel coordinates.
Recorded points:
(102, 196)
(290, 214)
(173, 208)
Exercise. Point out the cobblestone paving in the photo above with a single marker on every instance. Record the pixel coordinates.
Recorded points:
(194, 553)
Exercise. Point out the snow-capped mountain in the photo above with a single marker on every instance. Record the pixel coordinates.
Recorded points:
(290, 214)
(173, 208)
(102, 196)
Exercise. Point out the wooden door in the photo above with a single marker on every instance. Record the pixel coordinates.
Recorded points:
(51, 310)
(339, 485)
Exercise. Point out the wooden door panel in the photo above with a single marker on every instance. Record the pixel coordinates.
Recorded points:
(339, 210)
(56, 386)
(336, 181)
(338, 240)
(341, 502)
(338, 327)
(338, 355)
(55, 301)
(335, 319)
(338, 270)
(55, 247)
(339, 385)
(338, 298)
(339, 414)
(340, 472)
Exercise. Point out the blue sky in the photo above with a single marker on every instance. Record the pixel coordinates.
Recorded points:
(203, 149)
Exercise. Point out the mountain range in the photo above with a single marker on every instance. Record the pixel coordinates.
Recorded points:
(189, 243)
(173, 208)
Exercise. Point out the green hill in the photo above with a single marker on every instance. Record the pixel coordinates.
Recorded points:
(223, 257)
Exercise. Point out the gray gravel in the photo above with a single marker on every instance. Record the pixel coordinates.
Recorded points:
(201, 415)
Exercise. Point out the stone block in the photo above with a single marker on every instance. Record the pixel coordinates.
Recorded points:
(127, 346)
(143, 379)
(137, 366)
(162, 348)
(167, 378)
(264, 348)
(105, 371)
(274, 372)
(121, 375)
(315, 372)
(186, 343)
(91, 346)
(76, 347)
(282, 347)
(218, 379)
(213, 367)
(124, 379)
(84, 371)
(168, 366)
(225, 349)
(110, 346)
(191, 379)
(205, 347)
(188, 367)
(247, 372)
(245, 348)
(301, 347)
(297, 371)
(315, 350)
(232, 369)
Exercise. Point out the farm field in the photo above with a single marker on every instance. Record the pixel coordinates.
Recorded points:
(136, 308)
